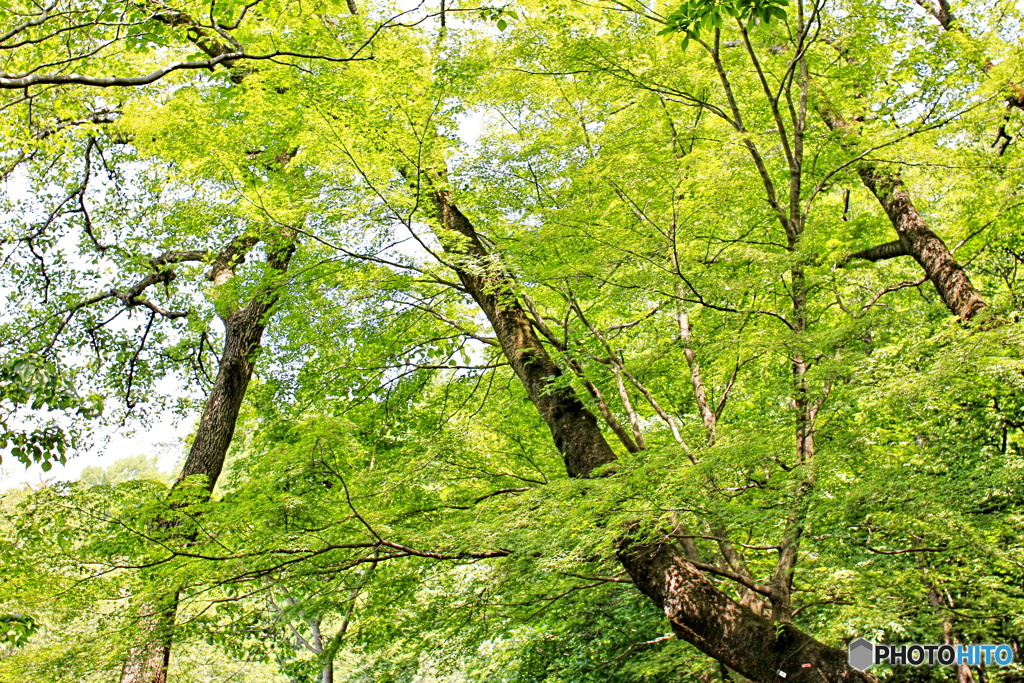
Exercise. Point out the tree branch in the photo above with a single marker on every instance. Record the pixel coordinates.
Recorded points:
(881, 252)
(12, 82)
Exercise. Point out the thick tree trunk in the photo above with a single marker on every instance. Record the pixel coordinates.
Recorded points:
(243, 333)
(919, 241)
(573, 427)
(244, 329)
(148, 661)
(915, 237)
(699, 612)
(725, 630)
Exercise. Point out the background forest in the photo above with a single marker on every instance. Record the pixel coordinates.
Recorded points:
(562, 340)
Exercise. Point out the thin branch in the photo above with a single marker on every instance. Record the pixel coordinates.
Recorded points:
(11, 82)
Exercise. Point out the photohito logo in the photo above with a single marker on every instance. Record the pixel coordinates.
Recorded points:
(864, 654)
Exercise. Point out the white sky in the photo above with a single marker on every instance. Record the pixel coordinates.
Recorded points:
(163, 438)
(165, 441)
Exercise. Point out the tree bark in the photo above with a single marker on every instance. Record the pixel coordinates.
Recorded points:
(916, 238)
(927, 248)
(882, 252)
(243, 332)
(573, 427)
(699, 612)
(577, 368)
(147, 662)
(244, 327)
(720, 627)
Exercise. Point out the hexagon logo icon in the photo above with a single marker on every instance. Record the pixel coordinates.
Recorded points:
(861, 654)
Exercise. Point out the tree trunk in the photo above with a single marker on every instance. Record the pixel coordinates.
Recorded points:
(919, 241)
(915, 237)
(243, 333)
(573, 427)
(698, 611)
(720, 627)
(147, 663)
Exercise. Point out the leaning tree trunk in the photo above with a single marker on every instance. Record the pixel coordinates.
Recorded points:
(918, 240)
(752, 645)
(699, 612)
(243, 332)
(573, 427)
(915, 237)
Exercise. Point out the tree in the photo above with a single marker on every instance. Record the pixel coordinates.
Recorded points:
(650, 236)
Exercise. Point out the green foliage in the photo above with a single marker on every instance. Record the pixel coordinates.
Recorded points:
(35, 384)
(132, 468)
(392, 501)
(697, 16)
(498, 15)
(18, 629)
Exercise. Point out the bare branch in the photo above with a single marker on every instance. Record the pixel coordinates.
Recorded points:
(12, 82)
(882, 252)
(733, 576)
